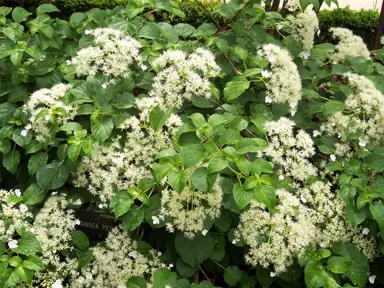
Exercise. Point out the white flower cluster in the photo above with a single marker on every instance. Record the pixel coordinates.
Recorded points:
(112, 56)
(316, 218)
(329, 216)
(183, 76)
(13, 217)
(292, 5)
(290, 150)
(115, 262)
(43, 104)
(189, 209)
(53, 226)
(304, 26)
(349, 45)
(284, 83)
(276, 240)
(382, 40)
(124, 162)
(363, 113)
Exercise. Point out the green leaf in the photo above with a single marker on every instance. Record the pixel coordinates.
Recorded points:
(80, 239)
(19, 14)
(235, 88)
(229, 137)
(9, 278)
(377, 211)
(184, 269)
(242, 197)
(36, 161)
(84, 257)
(261, 166)
(136, 282)
(310, 255)
(11, 161)
(232, 275)
(315, 276)
(246, 145)
(150, 31)
(202, 180)
(52, 176)
(16, 57)
(21, 140)
(2, 248)
(178, 179)
(34, 194)
(205, 30)
(184, 30)
(157, 118)
(15, 261)
(5, 146)
(358, 262)
(267, 195)
(74, 152)
(133, 218)
(332, 107)
(71, 126)
(375, 162)
(241, 51)
(27, 244)
(121, 203)
(6, 111)
(33, 263)
(194, 251)
(163, 277)
(25, 274)
(77, 18)
(123, 101)
(337, 264)
(101, 128)
(4, 11)
(217, 164)
(193, 154)
(46, 8)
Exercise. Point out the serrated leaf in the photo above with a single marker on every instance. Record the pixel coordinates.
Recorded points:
(235, 88)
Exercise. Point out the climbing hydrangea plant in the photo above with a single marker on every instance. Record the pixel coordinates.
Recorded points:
(233, 154)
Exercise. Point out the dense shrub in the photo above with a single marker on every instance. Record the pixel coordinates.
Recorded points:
(363, 23)
(227, 156)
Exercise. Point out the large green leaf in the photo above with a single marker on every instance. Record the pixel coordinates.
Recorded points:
(241, 196)
(194, 251)
(232, 275)
(52, 176)
(101, 128)
(11, 161)
(34, 194)
(235, 88)
(19, 14)
(27, 244)
(163, 277)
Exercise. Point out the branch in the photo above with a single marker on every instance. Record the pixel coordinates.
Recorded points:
(233, 66)
(238, 12)
(205, 275)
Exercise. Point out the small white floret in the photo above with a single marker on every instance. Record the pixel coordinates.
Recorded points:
(365, 231)
(13, 244)
(155, 220)
(372, 279)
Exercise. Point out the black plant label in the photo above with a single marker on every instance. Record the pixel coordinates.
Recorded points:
(95, 224)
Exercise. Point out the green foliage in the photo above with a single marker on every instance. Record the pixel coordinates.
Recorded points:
(362, 23)
(220, 145)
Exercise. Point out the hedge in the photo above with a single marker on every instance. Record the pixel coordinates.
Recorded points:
(362, 23)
